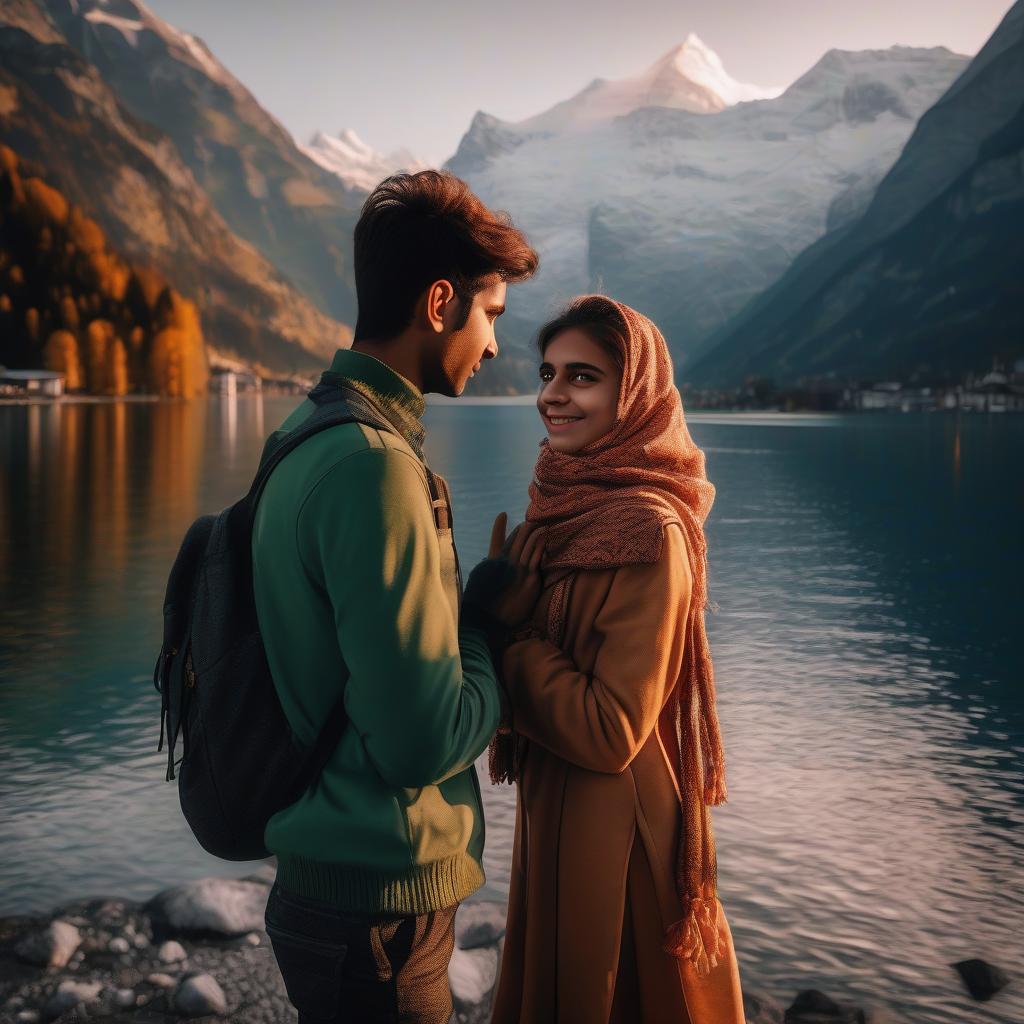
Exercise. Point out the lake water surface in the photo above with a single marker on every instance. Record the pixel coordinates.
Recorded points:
(868, 574)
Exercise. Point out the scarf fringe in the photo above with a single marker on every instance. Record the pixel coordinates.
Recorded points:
(715, 790)
(698, 937)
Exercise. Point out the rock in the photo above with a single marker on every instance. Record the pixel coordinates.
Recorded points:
(70, 993)
(253, 939)
(160, 980)
(127, 977)
(761, 1009)
(479, 924)
(814, 1007)
(172, 953)
(52, 947)
(27, 1017)
(982, 979)
(472, 974)
(199, 996)
(119, 945)
(265, 875)
(222, 905)
(124, 997)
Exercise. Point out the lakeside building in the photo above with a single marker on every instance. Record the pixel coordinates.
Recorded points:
(16, 383)
(233, 382)
(995, 392)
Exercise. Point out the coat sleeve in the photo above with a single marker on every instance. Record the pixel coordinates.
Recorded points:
(600, 720)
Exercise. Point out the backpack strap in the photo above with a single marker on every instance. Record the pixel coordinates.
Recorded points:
(336, 403)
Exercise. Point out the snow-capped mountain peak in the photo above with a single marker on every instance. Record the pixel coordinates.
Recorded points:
(358, 164)
(696, 61)
(690, 77)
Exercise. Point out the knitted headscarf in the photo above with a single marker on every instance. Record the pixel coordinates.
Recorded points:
(607, 505)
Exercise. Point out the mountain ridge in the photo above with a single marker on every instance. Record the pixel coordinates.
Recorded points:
(60, 113)
(710, 207)
(918, 196)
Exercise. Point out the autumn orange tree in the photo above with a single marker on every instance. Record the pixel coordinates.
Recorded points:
(74, 305)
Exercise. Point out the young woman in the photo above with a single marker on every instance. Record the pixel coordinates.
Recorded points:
(613, 738)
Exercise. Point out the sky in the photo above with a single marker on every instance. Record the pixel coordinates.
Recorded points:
(412, 74)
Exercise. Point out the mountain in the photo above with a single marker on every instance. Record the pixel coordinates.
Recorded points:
(58, 112)
(689, 77)
(926, 280)
(688, 210)
(71, 304)
(298, 215)
(359, 166)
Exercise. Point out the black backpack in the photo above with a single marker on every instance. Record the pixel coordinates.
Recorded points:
(240, 761)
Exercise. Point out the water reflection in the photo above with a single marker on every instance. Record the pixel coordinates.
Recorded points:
(866, 578)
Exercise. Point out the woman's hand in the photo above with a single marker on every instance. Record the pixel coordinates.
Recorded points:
(522, 552)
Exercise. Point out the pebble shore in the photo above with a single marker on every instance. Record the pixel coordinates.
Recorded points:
(198, 952)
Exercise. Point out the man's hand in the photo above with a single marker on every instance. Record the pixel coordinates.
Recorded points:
(522, 552)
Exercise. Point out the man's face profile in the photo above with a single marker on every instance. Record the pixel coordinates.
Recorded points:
(463, 349)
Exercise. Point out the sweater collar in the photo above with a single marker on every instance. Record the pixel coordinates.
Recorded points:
(397, 397)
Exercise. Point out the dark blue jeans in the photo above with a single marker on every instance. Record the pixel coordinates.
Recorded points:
(343, 968)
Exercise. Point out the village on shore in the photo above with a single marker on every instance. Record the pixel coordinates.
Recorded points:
(999, 390)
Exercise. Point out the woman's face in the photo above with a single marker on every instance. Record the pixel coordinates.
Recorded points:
(579, 390)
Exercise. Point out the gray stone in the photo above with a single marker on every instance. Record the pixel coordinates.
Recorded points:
(52, 947)
(760, 1009)
(225, 906)
(119, 945)
(27, 1017)
(160, 980)
(172, 953)
(479, 924)
(124, 997)
(253, 939)
(472, 974)
(140, 941)
(70, 993)
(200, 996)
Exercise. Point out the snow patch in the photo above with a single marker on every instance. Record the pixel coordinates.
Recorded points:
(201, 56)
(128, 28)
(698, 62)
(358, 164)
(690, 77)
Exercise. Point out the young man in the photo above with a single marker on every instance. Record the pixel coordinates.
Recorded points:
(357, 591)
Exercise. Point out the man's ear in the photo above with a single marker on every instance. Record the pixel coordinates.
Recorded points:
(439, 294)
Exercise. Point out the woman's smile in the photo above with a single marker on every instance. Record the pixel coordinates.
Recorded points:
(559, 422)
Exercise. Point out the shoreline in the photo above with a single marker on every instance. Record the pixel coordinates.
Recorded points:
(200, 950)
(695, 415)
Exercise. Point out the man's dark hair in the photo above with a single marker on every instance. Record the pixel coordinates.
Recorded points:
(424, 227)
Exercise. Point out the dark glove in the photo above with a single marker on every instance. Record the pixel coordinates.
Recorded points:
(487, 580)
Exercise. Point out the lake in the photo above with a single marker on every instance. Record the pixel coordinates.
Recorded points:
(867, 574)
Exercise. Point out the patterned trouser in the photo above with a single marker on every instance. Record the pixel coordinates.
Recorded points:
(343, 968)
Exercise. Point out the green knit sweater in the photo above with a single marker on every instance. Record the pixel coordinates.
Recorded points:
(357, 591)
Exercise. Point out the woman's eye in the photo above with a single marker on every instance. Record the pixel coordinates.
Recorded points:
(582, 376)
